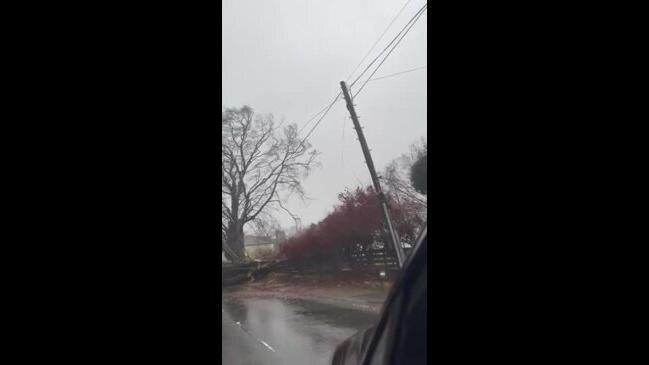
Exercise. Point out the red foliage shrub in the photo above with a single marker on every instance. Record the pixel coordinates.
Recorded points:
(355, 223)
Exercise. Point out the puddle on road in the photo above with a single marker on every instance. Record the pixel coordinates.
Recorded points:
(300, 332)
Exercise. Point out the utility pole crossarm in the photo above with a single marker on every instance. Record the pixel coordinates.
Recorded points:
(392, 234)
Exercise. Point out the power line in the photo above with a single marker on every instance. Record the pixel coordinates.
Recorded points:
(312, 118)
(389, 44)
(398, 73)
(318, 113)
(377, 41)
(322, 117)
(328, 107)
(391, 50)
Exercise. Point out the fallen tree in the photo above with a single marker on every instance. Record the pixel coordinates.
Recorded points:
(352, 229)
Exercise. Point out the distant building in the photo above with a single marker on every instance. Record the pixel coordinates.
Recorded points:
(257, 246)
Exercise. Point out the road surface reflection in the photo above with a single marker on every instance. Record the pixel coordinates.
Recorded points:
(286, 331)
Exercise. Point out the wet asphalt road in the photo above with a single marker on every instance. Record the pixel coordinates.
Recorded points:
(286, 331)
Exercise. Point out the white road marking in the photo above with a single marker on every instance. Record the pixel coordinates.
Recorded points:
(258, 340)
(267, 345)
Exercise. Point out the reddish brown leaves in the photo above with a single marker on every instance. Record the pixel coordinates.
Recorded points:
(354, 223)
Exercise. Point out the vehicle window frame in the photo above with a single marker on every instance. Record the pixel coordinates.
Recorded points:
(392, 310)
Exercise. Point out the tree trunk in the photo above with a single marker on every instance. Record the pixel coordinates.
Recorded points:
(235, 241)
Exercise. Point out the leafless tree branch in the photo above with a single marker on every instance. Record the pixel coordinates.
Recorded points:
(259, 160)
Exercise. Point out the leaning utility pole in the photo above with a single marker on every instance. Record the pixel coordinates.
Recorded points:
(392, 234)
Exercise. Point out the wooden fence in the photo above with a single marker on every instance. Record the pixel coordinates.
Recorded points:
(368, 261)
(373, 258)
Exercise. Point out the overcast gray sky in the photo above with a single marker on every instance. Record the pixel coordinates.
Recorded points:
(287, 57)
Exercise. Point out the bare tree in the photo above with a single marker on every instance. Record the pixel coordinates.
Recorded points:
(259, 162)
(265, 227)
(396, 178)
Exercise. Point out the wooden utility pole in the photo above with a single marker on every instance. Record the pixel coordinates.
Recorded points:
(391, 232)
